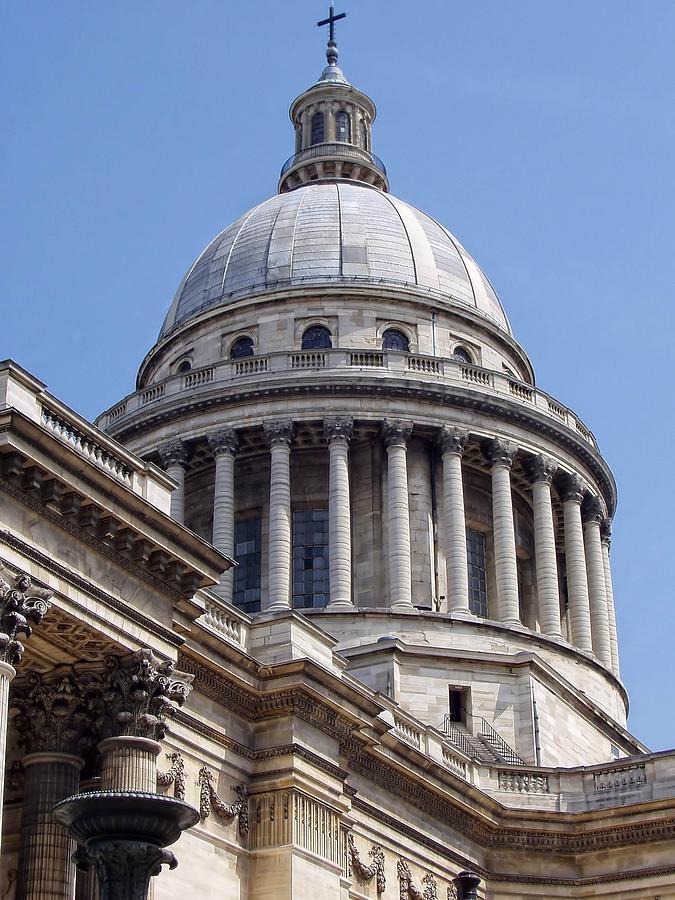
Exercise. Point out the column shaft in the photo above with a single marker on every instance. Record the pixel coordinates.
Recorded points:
(279, 436)
(455, 534)
(339, 517)
(597, 593)
(577, 584)
(46, 870)
(178, 494)
(7, 673)
(506, 569)
(545, 556)
(611, 612)
(129, 763)
(224, 445)
(398, 523)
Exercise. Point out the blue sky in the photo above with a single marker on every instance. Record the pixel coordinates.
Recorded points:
(541, 133)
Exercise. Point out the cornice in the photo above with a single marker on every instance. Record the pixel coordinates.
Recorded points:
(442, 395)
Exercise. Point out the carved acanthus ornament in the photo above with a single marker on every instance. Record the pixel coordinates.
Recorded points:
(540, 468)
(209, 800)
(396, 432)
(499, 452)
(338, 428)
(223, 440)
(173, 453)
(606, 532)
(376, 868)
(21, 607)
(408, 891)
(452, 439)
(278, 433)
(175, 776)
(572, 488)
(140, 692)
(58, 713)
(593, 509)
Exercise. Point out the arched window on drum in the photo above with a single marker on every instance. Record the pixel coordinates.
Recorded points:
(317, 337)
(241, 348)
(393, 339)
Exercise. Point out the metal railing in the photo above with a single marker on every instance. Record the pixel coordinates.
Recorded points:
(345, 151)
(498, 744)
(458, 737)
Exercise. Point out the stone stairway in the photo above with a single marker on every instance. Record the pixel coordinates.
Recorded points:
(487, 745)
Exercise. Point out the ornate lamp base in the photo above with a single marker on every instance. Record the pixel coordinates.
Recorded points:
(123, 835)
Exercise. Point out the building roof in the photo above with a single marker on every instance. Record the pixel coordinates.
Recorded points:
(333, 234)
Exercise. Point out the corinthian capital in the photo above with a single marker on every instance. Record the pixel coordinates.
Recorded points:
(593, 509)
(140, 692)
(499, 452)
(452, 439)
(540, 468)
(173, 453)
(396, 432)
(58, 712)
(20, 604)
(223, 440)
(572, 487)
(338, 428)
(279, 433)
(606, 531)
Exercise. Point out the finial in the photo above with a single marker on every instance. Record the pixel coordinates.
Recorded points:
(331, 50)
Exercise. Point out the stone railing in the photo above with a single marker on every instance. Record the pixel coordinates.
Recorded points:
(338, 363)
(523, 782)
(407, 732)
(226, 620)
(454, 762)
(86, 444)
(621, 779)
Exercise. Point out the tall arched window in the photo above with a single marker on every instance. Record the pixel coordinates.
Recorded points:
(343, 127)
(242, 347)
(318, 130)
(393, 339)
(317, 337)
(462, 355)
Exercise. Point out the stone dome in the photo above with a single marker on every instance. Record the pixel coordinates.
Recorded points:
(332, 234)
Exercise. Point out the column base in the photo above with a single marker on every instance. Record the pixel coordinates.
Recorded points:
(403, 606)
(340, 604)
(278, 606)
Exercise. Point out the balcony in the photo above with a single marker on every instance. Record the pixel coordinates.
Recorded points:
(334, 150)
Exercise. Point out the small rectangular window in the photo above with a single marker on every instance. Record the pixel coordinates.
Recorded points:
(247, 575)
(475, 549)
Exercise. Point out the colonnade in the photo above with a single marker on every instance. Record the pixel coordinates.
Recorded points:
(591, 616)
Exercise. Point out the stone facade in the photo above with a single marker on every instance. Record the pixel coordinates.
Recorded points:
(410, 685)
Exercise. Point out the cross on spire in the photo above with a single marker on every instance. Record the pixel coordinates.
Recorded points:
(330, 21)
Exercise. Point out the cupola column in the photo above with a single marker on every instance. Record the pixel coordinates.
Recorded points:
(500, 455)
(593, 515)
(338, 432)
(452, 441)
(224, 445)
(541, 470)
(396, 433)
(174, 459)
(572, 494)
(279, 435)
(606, 538)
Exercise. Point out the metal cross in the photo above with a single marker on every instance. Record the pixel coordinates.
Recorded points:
(330, 21)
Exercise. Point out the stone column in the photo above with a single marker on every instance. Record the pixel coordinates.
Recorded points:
(139, 692)
(174, 459)
(54, 727)
(338, 432)
(279, 435)
(606, 538)
(21, 607)
(541, 470)
(572, 493)
(452, 441)
(500, 455)
(396, 433)
(593, 514)
(224, 445)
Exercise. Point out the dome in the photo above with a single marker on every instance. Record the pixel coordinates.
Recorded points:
(333, 234)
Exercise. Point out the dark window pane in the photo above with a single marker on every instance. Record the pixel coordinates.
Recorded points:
(310, 558)
(392, 339)
(316, 338)
(462, 355)
(242, 347)
(343, 131)
(317, 128)
(475, 546)
(247, 575)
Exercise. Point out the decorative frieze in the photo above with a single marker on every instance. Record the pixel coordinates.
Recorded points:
(366, 872)
(175, 776)
(21, 606)
(523, 782)
(408, 891)
(210, 801)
